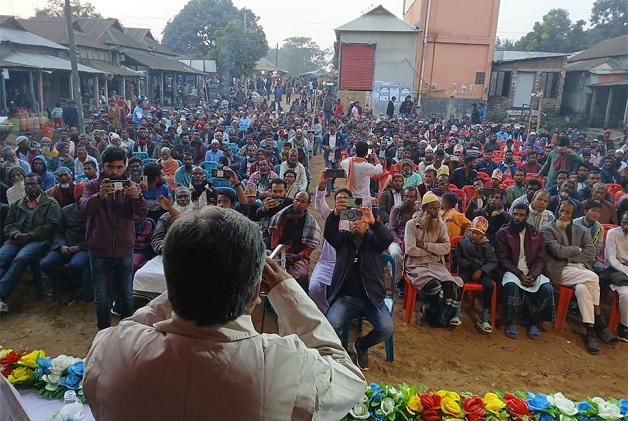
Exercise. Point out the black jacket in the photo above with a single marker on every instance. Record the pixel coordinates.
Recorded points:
(469, 256)
(375, 242)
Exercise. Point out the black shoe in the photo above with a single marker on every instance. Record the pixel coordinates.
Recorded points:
(115, 308)
(327, 194)
(622, 333)
(67, 298)
(361, 357)
(606, 336)
(590, 343)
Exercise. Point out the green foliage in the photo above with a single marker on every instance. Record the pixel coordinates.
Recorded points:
(195, 28)
(555, 33)
(301, 54)
(55, 8)
(610, 17)
(505, 44)
(238, 50)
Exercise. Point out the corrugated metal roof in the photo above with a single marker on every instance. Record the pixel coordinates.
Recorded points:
(55, 29)
(27, 38)
(111, 69)
(41, 62)
(145, 37)
(622, 82)
(608, 48)
(506, 56)
(108, 31)
(378, 19)
(584, 65)
(161, 63)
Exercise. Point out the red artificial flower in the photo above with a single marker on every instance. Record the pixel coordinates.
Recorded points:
(10, 358)
(474, 406)
(5, 370)
(516, 407)
(474, 417)
(430, 401)
(431, 415)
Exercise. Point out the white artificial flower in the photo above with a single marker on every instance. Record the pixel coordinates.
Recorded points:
(388, 405)
(62, 362)
(563, 404)
(607, 410)
(360, 411)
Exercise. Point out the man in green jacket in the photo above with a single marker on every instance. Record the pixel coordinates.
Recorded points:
(561, 158)
(30, 226)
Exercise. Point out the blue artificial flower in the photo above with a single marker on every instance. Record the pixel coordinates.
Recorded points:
(583, 418)
(546, 416)
(584, 406)
(537, 403)
(43, 365)
(623, 407)
(77, 368)
(74, 376)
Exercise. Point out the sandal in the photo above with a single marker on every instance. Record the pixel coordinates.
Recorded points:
(484, 326)
(590, 343)
(511, 331)
(455, 321)
(534, 333)
(606, 336)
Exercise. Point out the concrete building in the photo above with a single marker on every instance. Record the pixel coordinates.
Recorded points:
(520, 79)
(377, 56)
(455, 52)
(596, 84)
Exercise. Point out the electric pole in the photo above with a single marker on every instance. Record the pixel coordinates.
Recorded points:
(76, 82)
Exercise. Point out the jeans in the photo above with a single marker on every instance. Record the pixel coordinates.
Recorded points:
(102, 270)
(317, 145)
(14, 259)
(53, 266)
(333, 166)
(346, 308)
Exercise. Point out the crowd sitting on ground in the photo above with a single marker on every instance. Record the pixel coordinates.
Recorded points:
(453, 201)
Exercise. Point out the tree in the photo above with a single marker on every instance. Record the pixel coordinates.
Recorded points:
(557, 34)
(610, 17)
(55, 8)
(301, 54)
(505, 45)
(238, 50)
(195, 28)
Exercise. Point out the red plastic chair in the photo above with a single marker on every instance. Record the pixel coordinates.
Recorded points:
(506, 177)
(564, 298)
(469, 190)
(472, 287)
(613, 189)
(507, 183)
(462, 195)
(613, 322)
(484, 176)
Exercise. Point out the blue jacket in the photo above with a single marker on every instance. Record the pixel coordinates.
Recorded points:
(341, 145)
(47, 179)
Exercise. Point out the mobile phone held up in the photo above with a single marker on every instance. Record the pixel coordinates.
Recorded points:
(120, 185)
(351, 214)
(336, 173)
(220, 174)
(354, 202)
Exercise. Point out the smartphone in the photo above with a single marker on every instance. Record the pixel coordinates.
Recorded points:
(354, 202)
(336, 173)
(220, 174)
(350, 214)
(121, 185)
(370, 151)
(277, 202)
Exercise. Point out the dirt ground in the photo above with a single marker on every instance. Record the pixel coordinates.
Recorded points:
(461, 359)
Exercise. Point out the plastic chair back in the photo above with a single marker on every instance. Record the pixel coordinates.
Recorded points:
(148, 161)
(220, 182)
(141, 155)
(208, 165)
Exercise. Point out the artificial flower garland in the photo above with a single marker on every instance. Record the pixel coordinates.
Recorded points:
(52, 377)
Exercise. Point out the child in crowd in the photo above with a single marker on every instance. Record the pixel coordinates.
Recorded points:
(456, 222)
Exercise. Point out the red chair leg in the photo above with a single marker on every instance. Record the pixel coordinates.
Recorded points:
(494, 305)
(410, 300)
(613, 322)
(563, 307)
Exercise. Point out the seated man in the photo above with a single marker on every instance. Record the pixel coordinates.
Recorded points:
(570, 252)
(518, 189)
(410, 178)
(68, 257)
(590, 220)
(539, 215)
(324, 269)
(493, 212)
(206, 319)
(183, 175)
(616, 272)
(427, 243)
(608, 212)
(261, 179)
(90, 172)
(567, 191)
(358, 287)
(273, 204)
(63, 190)
(296, 228)
(16, 192)
(528, 294)
(150, 277)
(390, 197)
(532, 186)
(153, 188)
(203, 193)
(399, 217)
(30, 226)
(169, 166)
(465, 175)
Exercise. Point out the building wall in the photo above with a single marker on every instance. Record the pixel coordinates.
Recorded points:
(554, 65)
(395, 57)
(460, 43)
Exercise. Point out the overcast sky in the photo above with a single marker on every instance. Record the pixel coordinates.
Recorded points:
(282, 18)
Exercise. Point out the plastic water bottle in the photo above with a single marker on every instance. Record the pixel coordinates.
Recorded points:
(73, 408)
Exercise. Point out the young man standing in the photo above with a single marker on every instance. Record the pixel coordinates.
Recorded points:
(110, 203)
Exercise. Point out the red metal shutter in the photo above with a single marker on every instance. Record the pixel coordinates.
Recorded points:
(356, 66)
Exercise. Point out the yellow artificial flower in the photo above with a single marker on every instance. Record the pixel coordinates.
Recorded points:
(20, 375)
(414, 405)
(448, 393)
(493, 403)
(450, 407)
(30, 359)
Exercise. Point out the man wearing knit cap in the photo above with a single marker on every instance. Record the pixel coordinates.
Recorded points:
(561, 158)
(63, 190)
(24, 150)
(67, 258)
(427, 243)
(496, 178)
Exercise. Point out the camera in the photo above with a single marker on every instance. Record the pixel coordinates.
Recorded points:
(277, 202)
(354, 202)
(121, 185)
(220, 174)
(351, 214)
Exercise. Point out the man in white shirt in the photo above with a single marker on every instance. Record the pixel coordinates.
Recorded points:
(616, 272)
(202, 327)
(359, 172)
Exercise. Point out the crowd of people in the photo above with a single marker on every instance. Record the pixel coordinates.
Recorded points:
(452, 200)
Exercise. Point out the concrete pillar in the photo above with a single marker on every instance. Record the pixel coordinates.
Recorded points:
(107, 90)
(5, 108)
(31, 91)
(626, 114)
(40, 86)
(161, 87)
(609, 104)
(96, 91)
(592, 107)
(123, 89)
